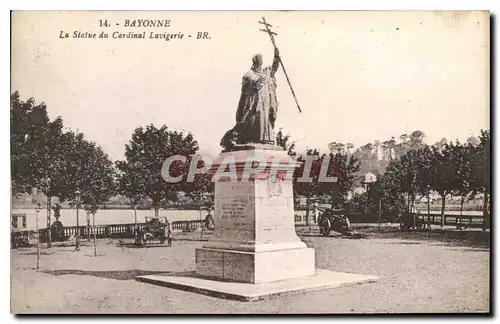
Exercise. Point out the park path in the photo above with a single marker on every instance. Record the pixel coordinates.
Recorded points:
(415, 276)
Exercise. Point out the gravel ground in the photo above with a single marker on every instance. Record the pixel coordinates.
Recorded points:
(426, 272)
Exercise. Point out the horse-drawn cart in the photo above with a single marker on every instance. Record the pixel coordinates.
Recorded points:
(334, 220)
(19, 233)
(155, 229)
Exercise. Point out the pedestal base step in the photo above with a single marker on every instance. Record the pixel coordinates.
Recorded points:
(323, 279)
(254, 267)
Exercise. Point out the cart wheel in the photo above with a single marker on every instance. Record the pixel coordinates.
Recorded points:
(140, 240)
(26, 241)
(13, 244)
(324, 226)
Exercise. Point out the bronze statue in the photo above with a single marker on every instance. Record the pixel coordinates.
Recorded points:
(257, 107)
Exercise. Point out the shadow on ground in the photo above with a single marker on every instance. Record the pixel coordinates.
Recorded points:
(115, 274)
(474, 239)
(446, 237)
(357, 236)
(203, 239)
(35, 253)
(135, 246)
(194, 236)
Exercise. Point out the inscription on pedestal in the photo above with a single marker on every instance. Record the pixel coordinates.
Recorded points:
(274, 188)
(233, 211)
(273, 226)
(234, 208)
(274, 204)
(254, 239)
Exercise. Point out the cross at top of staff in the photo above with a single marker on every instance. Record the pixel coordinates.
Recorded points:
(271, 36)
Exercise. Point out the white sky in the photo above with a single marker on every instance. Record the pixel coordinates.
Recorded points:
(359, 76)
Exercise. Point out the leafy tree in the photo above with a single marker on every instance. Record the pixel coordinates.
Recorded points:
(43, 157)
(344, 167)
(130, 184)
(481, 171)
(402, 147)
(76, 154)
(19, 116)
(29, 122)
(376, 148)
(474, 141)
(461, 160)
(339, 165)
(359, 207)
(145, 154)
(392, 201)
(407, 143)
(424, 174)
(416, 140)
(368, 157)
(440, 145)
(401, 177)
(284, 141)
(98, 181)
(349, 148)
(310, 188)
(336, 147)
(409, 163)
(389, 149)
(39, 161)
(201, 189)
(442, 177)
(366, 152)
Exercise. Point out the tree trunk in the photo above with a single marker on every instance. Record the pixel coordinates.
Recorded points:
(157, 212)
(408, 208)
(77, 218)
(379, 212)
(443, 202)
(485, 210)
(412, 207)
(429, 208)
(461, 208)
(135, 221)
(77, 235)
(88, 226)
(49, 234)
(37, 237)
(93, 228)
(307, 210)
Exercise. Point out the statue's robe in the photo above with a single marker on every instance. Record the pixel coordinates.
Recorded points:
(257, 109)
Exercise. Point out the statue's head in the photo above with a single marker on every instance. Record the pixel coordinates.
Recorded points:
(257, 61)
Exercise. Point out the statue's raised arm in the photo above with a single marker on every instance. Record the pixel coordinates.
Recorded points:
(276, 62)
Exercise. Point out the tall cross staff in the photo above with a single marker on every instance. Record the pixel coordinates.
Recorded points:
(271, 35)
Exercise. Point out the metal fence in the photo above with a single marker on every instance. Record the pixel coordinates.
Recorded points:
(127, 230)
(122, 230)
(470, 220)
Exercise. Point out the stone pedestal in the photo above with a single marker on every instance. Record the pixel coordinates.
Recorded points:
(254, 252)
(254, 239)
